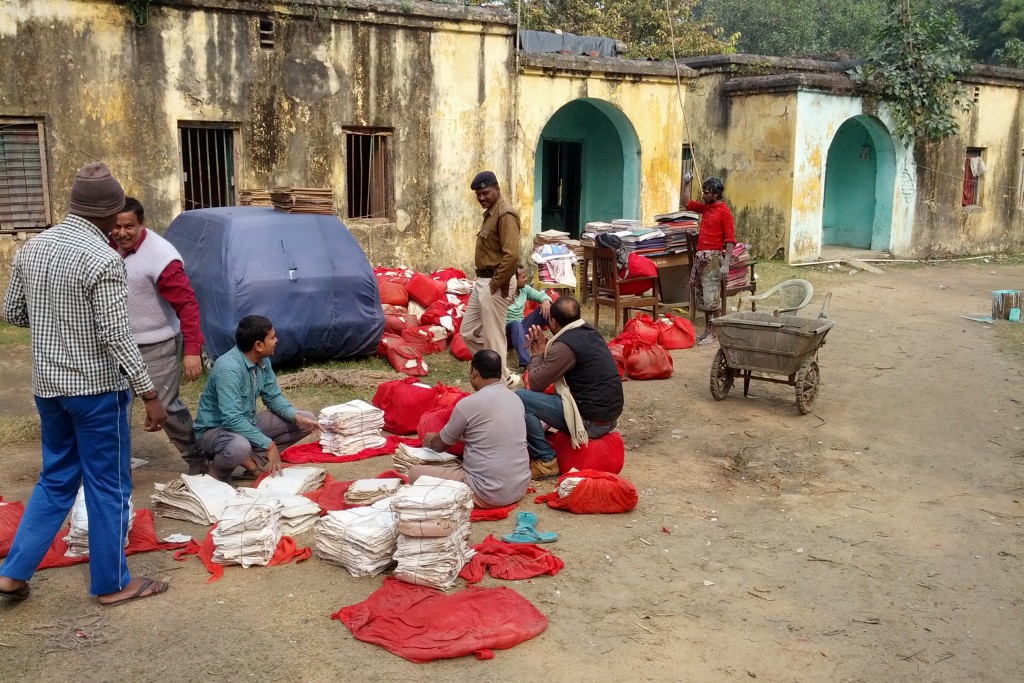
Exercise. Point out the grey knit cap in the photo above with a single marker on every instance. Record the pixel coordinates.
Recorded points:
(96, 193)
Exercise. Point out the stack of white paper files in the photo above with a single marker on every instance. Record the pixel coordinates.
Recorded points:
(433, 531)
(369, 491)
(298, 513)
(362, 540)
(248, 532)
(566, 486)
(198, 499)
(78, 535)
(203, 499)
(351, 427)
(407, 457)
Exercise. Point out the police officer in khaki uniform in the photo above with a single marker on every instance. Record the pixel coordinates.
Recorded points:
(497, 255)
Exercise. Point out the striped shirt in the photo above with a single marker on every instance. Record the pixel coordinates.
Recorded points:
(70, 289)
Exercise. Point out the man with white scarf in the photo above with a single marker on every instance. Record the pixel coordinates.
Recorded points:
(588, 395)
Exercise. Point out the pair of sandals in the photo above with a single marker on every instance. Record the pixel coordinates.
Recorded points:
(526, 531)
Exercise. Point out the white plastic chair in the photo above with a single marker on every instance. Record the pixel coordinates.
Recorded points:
(793, 295)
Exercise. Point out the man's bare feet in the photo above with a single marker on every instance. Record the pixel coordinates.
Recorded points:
(136, 589)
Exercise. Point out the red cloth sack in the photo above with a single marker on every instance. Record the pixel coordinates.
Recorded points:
(639, 266)
(425, 290)
(422, 624)
(396, 322)
(401, 276)
(675, 332)
(648, 361)
(445, 395)
(434, 421)
(403, 401)
(598, 493)
(619, 355)
(436, 311)
(446, 274)
(407, 359)
(392, 293)
(643, 326)
(10, 517)
(605, 454)
(428, 338)
(458, 347)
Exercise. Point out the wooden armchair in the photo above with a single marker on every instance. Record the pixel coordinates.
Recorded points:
(606, 289)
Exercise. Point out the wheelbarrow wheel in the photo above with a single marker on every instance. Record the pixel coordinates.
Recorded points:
(807, 381)
(722, 376)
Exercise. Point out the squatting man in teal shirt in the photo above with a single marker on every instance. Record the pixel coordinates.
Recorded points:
(229, 431)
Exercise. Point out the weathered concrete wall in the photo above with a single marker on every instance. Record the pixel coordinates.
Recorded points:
(944, 227)
(437, 75)
(748, 141)
(645, 95)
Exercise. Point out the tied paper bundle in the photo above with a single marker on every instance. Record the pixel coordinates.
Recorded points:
(78, 533)
(566, 486)
(433, 531)
(294, 480)
(351, 427)
(369, 491)
(197, 499)
(407, 457)
(248, 532)
(298, 513)
(362, 540)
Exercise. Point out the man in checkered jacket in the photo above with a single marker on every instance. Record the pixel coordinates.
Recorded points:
(70, 289)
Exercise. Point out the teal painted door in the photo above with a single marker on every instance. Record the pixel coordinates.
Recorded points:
(850, 174)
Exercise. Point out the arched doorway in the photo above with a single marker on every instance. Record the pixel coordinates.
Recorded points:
(859, 176)
(587, 167)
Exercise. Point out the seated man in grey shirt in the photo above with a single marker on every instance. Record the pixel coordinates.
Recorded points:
(491, 422)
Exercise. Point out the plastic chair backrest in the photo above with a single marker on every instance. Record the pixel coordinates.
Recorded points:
(793, 295)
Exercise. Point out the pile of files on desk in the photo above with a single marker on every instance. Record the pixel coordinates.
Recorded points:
(350, 427)
(78, 533)
(362, 540)
(675, 226)
(369, 491)
(197, 499)
(433, 531)
(407, 457)
(248, 532)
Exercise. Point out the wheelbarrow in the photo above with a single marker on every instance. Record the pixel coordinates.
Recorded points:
(759, 345)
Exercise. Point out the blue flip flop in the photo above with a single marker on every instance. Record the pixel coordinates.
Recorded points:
(526, 531)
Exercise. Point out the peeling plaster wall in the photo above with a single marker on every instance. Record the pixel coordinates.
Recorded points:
(944, 227)
(749, 142)
(649, 103)
(112, 91)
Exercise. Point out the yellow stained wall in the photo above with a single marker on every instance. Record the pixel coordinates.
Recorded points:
(650, 105)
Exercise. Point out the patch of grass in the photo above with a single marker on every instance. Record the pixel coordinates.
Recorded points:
(11, 335)
(19, 431)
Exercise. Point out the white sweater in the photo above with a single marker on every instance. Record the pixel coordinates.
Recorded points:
(152, 318)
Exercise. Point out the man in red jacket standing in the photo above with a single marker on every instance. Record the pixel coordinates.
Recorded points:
(715, 243)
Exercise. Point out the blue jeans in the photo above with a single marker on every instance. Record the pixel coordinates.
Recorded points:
(86, 439)
(515, 333)
(547, 408)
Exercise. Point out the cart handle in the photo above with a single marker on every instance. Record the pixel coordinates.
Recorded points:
(824, 306)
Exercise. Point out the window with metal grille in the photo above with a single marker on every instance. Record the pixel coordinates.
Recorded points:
(974, 169)
(267, 33)
(208, 166)
(368, 173)
(24, 185)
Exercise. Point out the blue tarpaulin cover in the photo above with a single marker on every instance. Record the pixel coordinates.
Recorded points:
(306, 272)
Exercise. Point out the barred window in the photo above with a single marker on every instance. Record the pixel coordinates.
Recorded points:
(368, 173)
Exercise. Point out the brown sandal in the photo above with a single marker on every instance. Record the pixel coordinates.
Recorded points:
(154, 586)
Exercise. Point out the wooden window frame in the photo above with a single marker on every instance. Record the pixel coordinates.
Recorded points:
(9, 225)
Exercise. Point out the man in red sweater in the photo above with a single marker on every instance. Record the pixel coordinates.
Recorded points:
(715, 243)
(164, 316)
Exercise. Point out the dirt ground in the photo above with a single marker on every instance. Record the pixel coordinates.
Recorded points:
(878, 538)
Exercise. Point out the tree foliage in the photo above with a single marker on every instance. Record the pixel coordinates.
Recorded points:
(918, 56)
(798, 28)
(646, 26)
